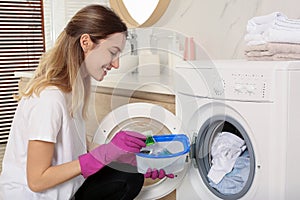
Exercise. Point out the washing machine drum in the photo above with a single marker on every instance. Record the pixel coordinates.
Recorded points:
(148, 119)
(236, 182)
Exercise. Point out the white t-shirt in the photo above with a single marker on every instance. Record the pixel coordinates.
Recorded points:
(44, 118)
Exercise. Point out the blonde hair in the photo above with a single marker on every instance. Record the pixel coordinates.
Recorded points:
(62, 65)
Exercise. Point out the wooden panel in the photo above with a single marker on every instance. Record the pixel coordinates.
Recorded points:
(168, 98)
(171, 196)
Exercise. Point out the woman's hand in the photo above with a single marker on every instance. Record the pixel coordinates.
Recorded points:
(121, 148)
(154, 174)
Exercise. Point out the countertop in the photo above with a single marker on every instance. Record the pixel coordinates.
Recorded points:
(162, 84)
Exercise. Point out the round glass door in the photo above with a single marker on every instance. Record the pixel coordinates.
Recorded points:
(148, 119)
(212, 149)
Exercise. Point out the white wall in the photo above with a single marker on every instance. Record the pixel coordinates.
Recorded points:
(219, 25)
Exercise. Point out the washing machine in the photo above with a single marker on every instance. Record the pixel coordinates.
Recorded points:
(257, 101)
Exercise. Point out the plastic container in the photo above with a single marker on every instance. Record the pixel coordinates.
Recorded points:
(168, 153)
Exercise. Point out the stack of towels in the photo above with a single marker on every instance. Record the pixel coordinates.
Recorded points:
(273, 37)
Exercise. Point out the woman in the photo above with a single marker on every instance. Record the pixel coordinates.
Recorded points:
(46, 153)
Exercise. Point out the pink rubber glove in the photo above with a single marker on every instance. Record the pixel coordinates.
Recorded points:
(154, 174)
(121, 148)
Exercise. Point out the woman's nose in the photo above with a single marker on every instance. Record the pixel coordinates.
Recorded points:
(115, 63)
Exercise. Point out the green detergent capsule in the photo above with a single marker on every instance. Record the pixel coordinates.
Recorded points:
(149, 141)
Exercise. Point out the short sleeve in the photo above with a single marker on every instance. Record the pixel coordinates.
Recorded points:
(45, 118)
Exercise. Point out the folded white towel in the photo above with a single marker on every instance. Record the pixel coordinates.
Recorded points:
(257, 28)
(287, 24)
(273, 35)
(275, 27)
(259, 24)
(284, 36)
(275, 20)
(266, 19)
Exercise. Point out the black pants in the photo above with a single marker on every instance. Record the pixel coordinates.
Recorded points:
(114, 182)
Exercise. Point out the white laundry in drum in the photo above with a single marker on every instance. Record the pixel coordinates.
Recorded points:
(226, 148)
(235, 181)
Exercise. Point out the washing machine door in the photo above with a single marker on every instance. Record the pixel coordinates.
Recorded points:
(149, 119)
(213, 119)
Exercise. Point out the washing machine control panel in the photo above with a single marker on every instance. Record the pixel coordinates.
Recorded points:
(243, 85)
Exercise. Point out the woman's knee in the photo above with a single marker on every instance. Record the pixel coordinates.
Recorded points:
(113, 184)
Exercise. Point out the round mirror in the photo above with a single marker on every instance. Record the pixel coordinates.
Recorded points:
(137, 13)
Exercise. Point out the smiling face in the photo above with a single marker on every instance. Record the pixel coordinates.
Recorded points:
(101, 57)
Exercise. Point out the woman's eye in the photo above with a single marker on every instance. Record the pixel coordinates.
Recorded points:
(113, 53)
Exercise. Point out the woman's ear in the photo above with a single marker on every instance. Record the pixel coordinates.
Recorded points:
(86, 42)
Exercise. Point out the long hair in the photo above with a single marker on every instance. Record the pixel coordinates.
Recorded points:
(61, 65)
